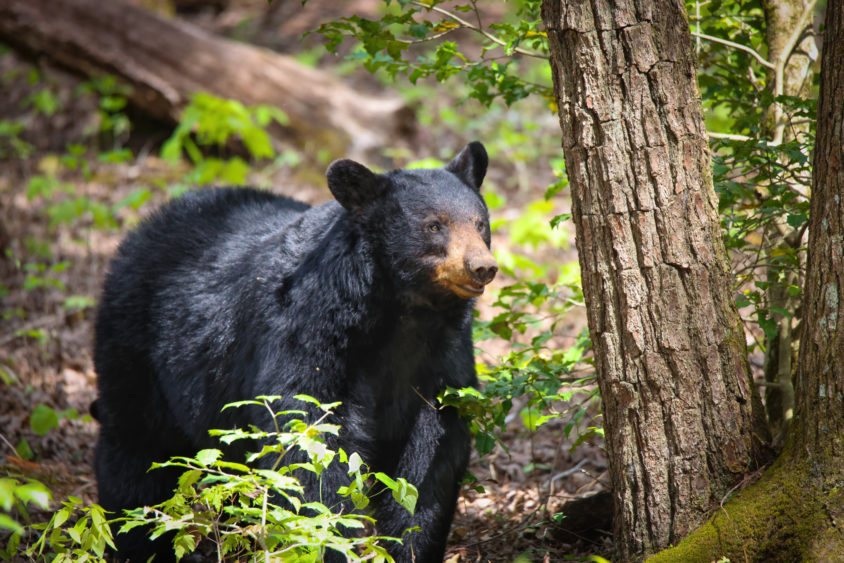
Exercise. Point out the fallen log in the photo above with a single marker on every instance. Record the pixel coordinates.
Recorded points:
(164, 61)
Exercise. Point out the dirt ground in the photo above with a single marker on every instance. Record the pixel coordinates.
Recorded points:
(46, 358)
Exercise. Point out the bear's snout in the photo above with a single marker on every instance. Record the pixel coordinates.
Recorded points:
(482, 268)
(469, 265)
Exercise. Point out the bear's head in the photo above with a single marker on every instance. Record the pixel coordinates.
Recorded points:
(428, 228)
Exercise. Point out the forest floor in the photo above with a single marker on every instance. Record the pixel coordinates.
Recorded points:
(46, 352)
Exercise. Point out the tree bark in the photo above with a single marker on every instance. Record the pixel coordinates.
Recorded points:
(681, 418)
(796, 511)
(166, 60)
(819, 424)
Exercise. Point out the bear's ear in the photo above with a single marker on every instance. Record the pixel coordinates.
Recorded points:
(353, 184)
(470, 165)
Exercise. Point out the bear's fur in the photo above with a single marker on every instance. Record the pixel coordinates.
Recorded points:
(227, 294)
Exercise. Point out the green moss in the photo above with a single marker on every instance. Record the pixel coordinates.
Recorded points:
(782, 517)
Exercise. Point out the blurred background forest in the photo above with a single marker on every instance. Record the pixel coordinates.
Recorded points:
(108, 111)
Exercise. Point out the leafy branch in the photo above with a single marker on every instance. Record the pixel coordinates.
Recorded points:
(386, 44)
(510, 48)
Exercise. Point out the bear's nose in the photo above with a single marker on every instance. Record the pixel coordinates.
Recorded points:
(482, 268)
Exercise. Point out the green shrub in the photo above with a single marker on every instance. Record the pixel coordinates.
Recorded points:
(245, 512)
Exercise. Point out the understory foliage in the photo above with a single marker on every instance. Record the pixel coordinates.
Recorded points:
(243, 512)
(762, 170)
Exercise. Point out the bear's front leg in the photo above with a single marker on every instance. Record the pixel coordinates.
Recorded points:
(434, 460)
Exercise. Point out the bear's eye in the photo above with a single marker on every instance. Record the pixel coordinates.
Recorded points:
(434, 227)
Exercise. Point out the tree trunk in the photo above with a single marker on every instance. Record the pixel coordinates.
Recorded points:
(681, 418)
(819, 424)
(796, 511)
(166, 60)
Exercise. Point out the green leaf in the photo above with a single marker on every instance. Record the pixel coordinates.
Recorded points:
(359, 499)
(60, 517)
(355, 463)
(234, 171)
(7, 523)
(7, 376)
(183, 543)
(43, 419)
(41, 186)
(406, 495)
(484, 443)
(419, 30)
(171, 150)
(258, 143)
(23, 450)
(34, 492)
(562, 218)
(78, 303)
(134, 200)
(188, 479)
(233, 466)
(264, 114)
(796, 220)
(7, 493)
(494, 200)
(208, 456)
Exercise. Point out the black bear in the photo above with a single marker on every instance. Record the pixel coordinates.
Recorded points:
(228, 294)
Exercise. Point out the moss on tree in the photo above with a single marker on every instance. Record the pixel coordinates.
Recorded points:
(795, 512)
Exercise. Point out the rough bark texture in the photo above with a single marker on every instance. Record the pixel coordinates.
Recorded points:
(796, 511)
(820, 404)
(165, 61)
(669, 347)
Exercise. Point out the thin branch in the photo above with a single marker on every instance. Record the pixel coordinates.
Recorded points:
(480, 30)
(764, 62)
(8, 443)
(728, 136)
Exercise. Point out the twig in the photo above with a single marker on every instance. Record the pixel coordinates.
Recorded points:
(728, 136)
(426, 401)
(8, 443)
(571, 471)
(764, 62)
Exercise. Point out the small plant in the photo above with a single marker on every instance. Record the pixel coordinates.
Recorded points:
(75, 532)
(543, 378)
(11, 144)
(15, 497)
(246, 512)
(209, 122)
(113, 125)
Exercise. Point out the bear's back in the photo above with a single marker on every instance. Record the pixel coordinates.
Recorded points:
(186, 227)
(195, 237)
